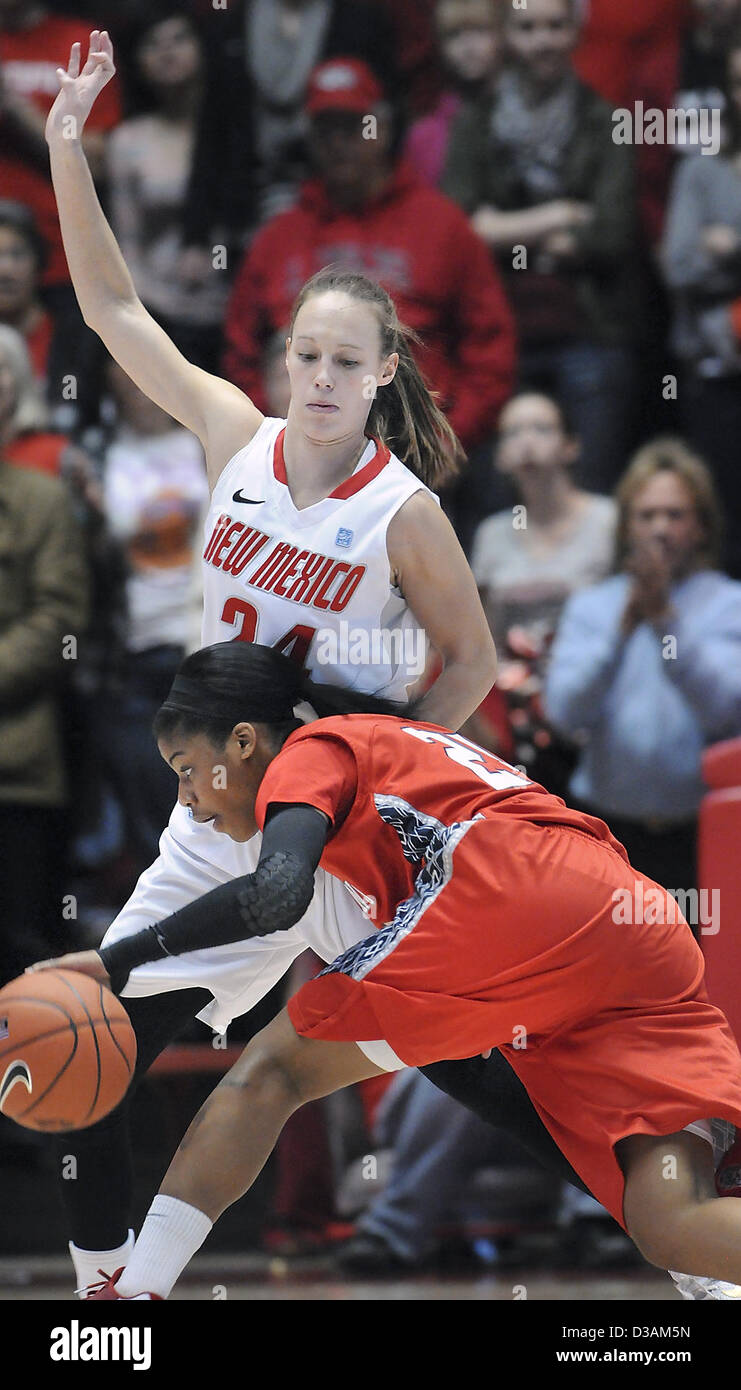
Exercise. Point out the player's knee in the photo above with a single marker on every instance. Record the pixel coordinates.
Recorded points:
(653, 1246)
(270, 1078)
(659, 1241)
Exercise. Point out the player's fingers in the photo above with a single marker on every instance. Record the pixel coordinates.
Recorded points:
(91, 62)
(73, 67)
(100, 65)
(40, 965)
(92, 48)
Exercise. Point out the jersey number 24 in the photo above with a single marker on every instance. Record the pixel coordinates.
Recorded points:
(294, 643)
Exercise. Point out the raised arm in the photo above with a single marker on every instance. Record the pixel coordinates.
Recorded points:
(222, 417)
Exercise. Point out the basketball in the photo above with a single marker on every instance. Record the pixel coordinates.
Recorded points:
(67, 1050)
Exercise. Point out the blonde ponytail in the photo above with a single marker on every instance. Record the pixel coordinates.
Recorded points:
(405, 414)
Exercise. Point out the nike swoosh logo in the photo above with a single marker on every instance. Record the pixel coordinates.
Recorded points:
(17, 1071)
(249, 501)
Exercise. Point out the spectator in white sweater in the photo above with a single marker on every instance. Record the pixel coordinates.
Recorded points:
(154, 491)
(527, 561)
(149, 160)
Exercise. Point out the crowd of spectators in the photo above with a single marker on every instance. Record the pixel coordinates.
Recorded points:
(578, 303)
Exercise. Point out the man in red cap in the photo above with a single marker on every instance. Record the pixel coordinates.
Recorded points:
(367, 210)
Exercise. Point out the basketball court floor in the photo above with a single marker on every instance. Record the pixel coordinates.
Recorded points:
(252, 1278)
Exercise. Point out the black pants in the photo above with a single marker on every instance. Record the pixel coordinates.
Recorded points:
(142, 782)
(98, 1203)
(711, 411)
(32, 851)
(668, 856)
(75, 362)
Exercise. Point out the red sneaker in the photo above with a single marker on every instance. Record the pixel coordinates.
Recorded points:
(106, 1289)
(728, 1174)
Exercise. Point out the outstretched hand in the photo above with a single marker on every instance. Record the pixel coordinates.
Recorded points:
(79, 86)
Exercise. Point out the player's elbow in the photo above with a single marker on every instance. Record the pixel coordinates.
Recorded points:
(477, 655)
(277, 895)
(489, 663)
(109, 315)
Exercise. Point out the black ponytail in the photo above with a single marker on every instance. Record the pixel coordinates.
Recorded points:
(329, 700)
(219, 686)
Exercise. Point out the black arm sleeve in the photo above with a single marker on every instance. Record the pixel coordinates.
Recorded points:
(271, 899)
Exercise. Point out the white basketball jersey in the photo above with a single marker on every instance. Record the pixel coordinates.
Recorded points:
(315, 583)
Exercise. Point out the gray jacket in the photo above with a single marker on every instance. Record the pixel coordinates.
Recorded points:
(706, 191)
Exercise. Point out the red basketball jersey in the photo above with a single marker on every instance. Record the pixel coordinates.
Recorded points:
(395, 793)
(495, 909)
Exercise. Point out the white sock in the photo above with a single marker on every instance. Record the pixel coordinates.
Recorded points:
(168, 1240)
(87, 1263)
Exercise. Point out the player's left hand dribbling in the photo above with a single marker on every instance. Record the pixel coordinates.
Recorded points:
(84, 962)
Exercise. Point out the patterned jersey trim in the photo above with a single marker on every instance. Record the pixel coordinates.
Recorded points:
(422, 838)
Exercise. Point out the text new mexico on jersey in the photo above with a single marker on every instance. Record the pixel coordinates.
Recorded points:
(314, 582)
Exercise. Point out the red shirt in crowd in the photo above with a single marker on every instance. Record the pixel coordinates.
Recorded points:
(29, 59)
(620, 41)
(38, 449)
(38, 342)
(417, 55)
(420, 247)
(630, 53)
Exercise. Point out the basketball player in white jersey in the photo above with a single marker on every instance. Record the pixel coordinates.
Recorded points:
(318, 541)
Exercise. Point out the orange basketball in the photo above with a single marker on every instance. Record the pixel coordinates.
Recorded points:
(67, 1050)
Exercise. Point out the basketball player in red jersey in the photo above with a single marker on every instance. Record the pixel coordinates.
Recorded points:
(492, 907)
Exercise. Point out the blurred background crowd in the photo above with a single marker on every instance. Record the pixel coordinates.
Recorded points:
(579, 305)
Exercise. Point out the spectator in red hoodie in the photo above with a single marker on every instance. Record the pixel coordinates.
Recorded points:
(368, 211)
